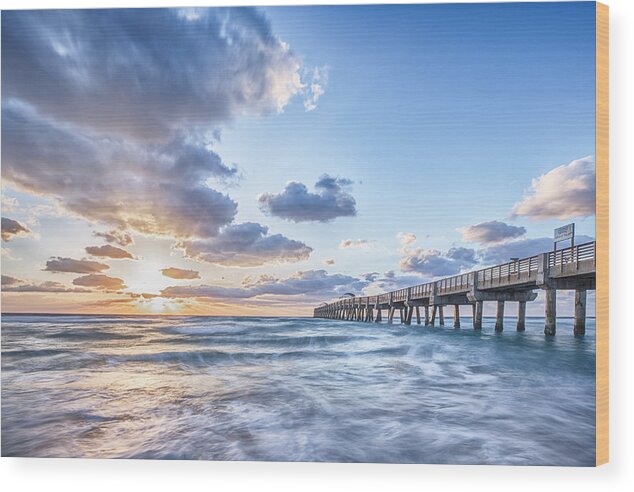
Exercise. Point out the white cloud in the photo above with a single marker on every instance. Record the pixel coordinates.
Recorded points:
(563, 193)
(316, 88)
(406, 238)
(354, 244)
(158, 69)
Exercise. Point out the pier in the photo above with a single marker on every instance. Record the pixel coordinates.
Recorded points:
(572, 268)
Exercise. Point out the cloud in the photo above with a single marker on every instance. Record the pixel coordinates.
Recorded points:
(12, 228)
(353, 244)
(12, 284)
(8, 281)
(329, 261)
(316, 88)
(467, 256)
(523, 248)
(158, 69)
(179, 273)
(565, 192)
(9, 203)
(100, 282)
(69, 265)
(406, 238)
(295, 203)
(108, 251)
(149, 189)
(114, 236)
(433, 263)
(143, 161)
(390, 282)
(246, 245)
(492, 232)
(310, 282)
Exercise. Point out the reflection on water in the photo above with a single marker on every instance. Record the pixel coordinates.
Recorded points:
(295, 390)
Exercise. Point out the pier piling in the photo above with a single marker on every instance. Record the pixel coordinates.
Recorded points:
(550, 327)
(499, 319)
(580, 312)
(521, 316)
(456, 316)
(477, 322)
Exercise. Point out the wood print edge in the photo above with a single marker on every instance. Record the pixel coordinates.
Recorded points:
(602, 234)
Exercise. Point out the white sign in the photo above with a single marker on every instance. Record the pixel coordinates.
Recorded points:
(564, 232)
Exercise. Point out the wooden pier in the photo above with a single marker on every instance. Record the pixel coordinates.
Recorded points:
(572, 268)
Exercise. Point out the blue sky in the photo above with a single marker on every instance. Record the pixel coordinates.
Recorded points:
(434, 118)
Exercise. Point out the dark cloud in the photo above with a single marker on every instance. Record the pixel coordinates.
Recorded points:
(492, 232)
(311, 282)
(108, 251)
(112, 113)
(100, 282)
(144, 188)
(466, 256)
(523, 248)
(11, 228)
(144, 73)
(329, 261)
(69, 265)
(390, 282)
(12, 284)
(179, 273)
(331, 200)
(7, 280)
(114, 236)
(245, 245)
(563, 193)
(433, 263)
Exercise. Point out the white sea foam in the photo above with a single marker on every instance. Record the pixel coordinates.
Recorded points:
(296, 389)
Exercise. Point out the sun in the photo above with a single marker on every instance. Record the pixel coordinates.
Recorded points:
(159, 305)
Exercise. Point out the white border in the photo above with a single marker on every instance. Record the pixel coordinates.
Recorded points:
(52, 475)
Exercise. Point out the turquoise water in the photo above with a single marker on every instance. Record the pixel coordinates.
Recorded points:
(296, 390)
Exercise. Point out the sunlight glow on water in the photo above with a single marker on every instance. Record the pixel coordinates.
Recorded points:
(288, 389)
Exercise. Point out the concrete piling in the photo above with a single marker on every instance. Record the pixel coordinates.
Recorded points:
(499, 318)
(580, 312)
(521, 316)
(477, 322)
(550, 328)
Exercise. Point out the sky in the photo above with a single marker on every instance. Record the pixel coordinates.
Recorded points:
(259, 161)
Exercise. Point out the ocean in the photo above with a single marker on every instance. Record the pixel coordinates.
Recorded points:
(296, 389)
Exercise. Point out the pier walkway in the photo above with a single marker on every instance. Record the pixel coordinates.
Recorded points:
(572, 268)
